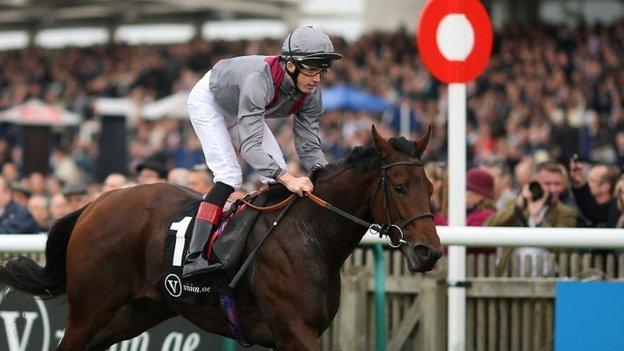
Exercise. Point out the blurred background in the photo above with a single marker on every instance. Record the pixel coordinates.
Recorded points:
(92, 88)
(93, 97)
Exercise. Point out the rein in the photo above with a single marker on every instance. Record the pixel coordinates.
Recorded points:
(374, 228)
(274, 207)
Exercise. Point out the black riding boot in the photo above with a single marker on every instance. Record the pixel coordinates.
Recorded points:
(207, 220)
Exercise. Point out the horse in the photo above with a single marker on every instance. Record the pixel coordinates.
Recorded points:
(108, 256)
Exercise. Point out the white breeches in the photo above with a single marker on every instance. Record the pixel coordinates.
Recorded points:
(219, 137)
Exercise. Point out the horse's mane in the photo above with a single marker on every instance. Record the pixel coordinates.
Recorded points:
(363, 159)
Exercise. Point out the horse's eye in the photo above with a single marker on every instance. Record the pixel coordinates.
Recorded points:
(400, 189)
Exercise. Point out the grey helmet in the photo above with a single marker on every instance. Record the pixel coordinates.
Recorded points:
(309, 46)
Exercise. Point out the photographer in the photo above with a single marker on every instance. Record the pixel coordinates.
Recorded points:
(538, 204)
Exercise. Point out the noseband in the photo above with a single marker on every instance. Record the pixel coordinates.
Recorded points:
(380, 229)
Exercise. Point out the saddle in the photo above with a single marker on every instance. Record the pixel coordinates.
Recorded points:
(228, 245)
(225, 246)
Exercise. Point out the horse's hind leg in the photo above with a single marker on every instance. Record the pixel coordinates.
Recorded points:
(82, 324)
(91, 307)
(129, 321)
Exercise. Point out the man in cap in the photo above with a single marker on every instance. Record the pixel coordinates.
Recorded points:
(21, 193)
(227, 108)
(152, 170)
(14, 218)
(75, 194)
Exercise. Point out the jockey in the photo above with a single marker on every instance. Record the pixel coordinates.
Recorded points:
(227, 108)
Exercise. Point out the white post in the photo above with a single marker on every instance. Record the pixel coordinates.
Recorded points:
(457, 214)
(404, 122)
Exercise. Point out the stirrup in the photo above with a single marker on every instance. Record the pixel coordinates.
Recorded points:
(199, 266)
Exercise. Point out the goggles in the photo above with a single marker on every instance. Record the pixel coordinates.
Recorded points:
(310, 71)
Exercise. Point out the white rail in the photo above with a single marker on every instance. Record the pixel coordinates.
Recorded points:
(462, 236)
(458, 236)
(23, 242)
(534, 237)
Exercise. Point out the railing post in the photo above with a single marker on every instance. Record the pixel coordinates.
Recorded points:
(352, 316)
(380, 300)
(228, 344)
(432, 305)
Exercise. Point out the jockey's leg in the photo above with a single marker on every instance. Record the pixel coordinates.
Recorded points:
(211, 129)
(207, 220)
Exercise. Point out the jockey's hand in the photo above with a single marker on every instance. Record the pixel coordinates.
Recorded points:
(297, 185)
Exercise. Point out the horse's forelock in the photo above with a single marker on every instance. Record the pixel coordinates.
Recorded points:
(405, 146)
(364, 159)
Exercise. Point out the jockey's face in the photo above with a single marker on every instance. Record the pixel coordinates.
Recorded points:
(305, 83)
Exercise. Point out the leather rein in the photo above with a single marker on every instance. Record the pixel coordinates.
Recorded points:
(374, 228)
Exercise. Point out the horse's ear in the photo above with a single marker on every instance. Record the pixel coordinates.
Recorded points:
(382, 145)
(421, 143)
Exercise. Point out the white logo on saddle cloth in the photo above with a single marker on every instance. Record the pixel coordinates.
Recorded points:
(173, 284)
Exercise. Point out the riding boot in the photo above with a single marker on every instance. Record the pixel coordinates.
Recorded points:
(207, 220)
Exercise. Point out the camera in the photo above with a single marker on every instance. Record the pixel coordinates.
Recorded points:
(536, 190)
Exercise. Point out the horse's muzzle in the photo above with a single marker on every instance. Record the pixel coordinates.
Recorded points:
(422, 258)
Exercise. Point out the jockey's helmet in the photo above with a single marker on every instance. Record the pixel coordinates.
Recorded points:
(309, 46)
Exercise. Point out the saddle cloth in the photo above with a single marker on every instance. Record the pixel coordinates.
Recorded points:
(226, 245)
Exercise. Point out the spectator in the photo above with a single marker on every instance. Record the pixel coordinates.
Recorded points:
(479, 203)
(200, 180)
(14, 218)
(65, 167)
(58, 206)
(39, 207)
(37, 184)
(523, 171)
(545, 211)
(114, 181)
(606, 214)
(93, 191)
(53, 185)
(152, 170)
(503, 182)
(20, 193)
(537, 209)
(178, 176)
(436, 172)
(601, 180)
(10, 172)
(76, 195)
(479, 197)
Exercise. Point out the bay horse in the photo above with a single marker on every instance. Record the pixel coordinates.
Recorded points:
(108, 256)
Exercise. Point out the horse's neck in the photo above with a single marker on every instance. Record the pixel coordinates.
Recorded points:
(350, 191)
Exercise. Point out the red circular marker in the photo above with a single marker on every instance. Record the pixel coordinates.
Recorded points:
(454, 71)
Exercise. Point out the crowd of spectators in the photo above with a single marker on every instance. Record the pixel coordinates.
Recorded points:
(549, 92)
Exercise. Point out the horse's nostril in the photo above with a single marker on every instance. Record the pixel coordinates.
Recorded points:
(422, 252)
(426, 254)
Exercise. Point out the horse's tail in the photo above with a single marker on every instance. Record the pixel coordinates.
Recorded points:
(24, 274)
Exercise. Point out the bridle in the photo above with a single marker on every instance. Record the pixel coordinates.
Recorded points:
(374, 228)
